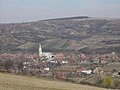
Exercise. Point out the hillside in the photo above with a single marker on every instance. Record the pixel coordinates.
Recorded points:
(101, 35)
(13, 82)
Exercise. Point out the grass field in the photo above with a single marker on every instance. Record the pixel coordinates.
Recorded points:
(14, 82)
(112, 66)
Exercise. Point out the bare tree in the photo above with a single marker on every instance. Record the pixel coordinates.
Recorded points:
(8, 64)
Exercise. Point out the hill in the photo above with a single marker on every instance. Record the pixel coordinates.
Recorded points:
(13, 82)
(101, 35)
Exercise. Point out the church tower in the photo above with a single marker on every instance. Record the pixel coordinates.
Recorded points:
(40, 50)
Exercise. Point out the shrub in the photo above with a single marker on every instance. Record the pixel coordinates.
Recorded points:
(98, 80)
(108, 81)
(117, 83)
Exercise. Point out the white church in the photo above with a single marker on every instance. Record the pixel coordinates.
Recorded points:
(47, 55)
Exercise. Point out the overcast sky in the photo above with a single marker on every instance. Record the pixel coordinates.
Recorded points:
(33, 10)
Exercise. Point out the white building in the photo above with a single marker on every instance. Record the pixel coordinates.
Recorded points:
(47, 55)
(46, 69)
(87, 72)
(64, 62)
(40, 50)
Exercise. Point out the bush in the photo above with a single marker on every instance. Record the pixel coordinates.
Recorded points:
(108, 81)
(117, 83)
(98, 80)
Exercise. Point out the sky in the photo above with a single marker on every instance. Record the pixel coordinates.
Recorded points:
(12, 11)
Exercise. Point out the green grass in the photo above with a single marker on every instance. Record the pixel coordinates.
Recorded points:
(94, 42)
(28, 45)
(13, 82)
(61, 44)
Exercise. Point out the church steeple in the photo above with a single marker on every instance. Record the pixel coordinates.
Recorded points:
(40, 50)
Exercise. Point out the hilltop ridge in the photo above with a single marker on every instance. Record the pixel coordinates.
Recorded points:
(101, 35)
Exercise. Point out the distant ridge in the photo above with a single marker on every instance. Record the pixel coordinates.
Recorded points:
(90, 35)
(67, 18)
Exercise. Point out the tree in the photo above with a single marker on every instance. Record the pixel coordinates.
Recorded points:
(20, 66)
(8, 64)
(114, 70)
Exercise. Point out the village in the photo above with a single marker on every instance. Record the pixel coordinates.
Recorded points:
(73, 66)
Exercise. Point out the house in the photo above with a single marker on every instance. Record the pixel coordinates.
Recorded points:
(98, 70)
(64, 62)
(116, 74)
(83, 71)
(47, 69)
(60, 56)
(88, 72)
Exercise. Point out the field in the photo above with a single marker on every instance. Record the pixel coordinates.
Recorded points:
(112, 66)
(15, 82)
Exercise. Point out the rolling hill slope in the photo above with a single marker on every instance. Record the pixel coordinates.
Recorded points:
(13, 82)
(75, 33)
